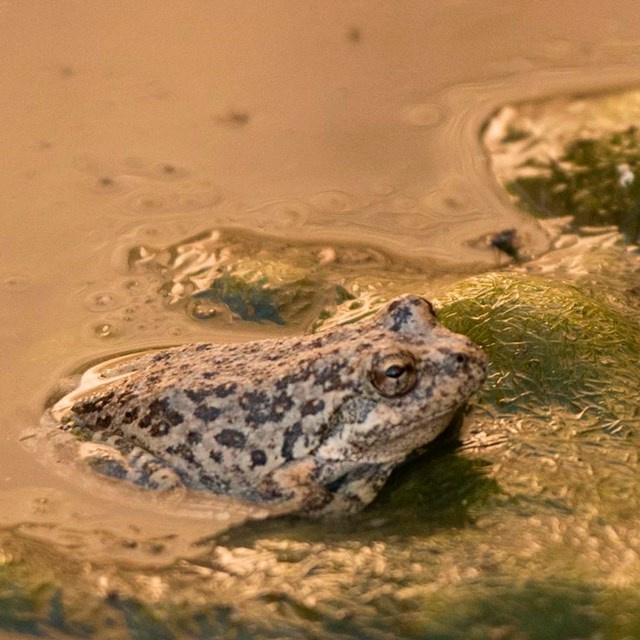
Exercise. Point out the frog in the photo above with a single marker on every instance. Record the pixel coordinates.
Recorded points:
(313, 423)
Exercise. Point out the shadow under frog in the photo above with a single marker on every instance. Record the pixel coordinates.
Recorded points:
(311, 424)
(433, 490)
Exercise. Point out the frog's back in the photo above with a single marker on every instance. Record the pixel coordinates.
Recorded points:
(226, 415)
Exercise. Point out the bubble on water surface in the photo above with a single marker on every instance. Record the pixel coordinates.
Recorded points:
(334, 201)
(152, 187)
(174, 330)
(104, 330)
(102, 301)
(205, 309)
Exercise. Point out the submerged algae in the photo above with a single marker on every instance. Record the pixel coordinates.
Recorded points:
(576, 157)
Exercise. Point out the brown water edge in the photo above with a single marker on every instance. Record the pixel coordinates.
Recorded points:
(270, 116)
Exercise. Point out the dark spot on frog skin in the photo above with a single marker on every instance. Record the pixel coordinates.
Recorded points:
(214, 483)
(292, 378)
(144, 422)
(160, 418)
(103, 421)
(161, 410)
(400, 313)
(316, 344)
(261, 408)
(269, 489)
(184, 452)
(253, 400)
(194, 437)
(131, 415)
(206, 414)
(231, 438)
(225, 389)
(108, 467)
(93, 405)
(330, 377)
(258, 458)
(311, 407)
(159, 429)
(280, 405)
(197, 395)
(337, 483)
(216, 456)
(290, 437)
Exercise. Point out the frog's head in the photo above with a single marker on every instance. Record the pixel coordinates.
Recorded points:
(414, 377)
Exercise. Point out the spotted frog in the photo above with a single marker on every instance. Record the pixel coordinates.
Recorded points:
(314, 424)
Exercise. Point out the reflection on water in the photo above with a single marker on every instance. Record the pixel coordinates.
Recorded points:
(327, 127)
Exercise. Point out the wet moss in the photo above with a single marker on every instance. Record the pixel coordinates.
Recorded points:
(549, 342)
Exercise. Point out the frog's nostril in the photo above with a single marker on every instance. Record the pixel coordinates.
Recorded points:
(461, 358)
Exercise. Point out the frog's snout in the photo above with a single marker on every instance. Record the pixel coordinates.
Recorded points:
(478, 364)
(471, 361)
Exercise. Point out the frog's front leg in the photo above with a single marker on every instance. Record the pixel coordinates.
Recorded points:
(294, 487)
(356, 488)
(137, 466)
(316, 487)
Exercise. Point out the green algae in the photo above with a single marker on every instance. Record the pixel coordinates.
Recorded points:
(548, 341)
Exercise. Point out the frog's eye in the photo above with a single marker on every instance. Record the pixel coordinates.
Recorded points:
(394, 374)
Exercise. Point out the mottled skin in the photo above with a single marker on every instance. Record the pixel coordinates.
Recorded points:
(316, 423)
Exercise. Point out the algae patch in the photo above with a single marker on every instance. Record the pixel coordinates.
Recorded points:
(572, 157)
(549, 342)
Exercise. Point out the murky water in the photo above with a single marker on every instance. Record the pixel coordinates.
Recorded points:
(346, 124)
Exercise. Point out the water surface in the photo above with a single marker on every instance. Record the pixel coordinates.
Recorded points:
(328, 123)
